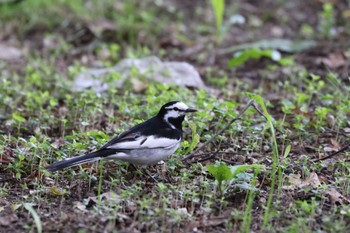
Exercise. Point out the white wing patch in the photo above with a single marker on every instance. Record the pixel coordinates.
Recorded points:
(146, 142)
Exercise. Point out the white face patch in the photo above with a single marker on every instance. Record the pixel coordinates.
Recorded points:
(178, 105)
(173, 114)
(176, 110)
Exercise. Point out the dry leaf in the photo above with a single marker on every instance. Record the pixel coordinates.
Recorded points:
(7, 156)
(109, 196)
(330, 149)
(80, 206)
(334, 60)
(8, 219)
(98, 27)
(312, 180)
(335, 197)
(295, 181)
(335, 144)
(138, 86)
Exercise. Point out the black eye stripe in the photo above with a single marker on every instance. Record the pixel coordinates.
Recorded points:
(179, 110)
(176, 109)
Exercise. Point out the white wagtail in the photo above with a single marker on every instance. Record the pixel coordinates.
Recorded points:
(144, 144)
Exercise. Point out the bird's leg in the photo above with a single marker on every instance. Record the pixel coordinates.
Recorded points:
(163, 170)
(150, 175)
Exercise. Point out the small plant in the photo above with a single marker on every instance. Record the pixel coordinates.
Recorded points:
(327, 20)
(218, 8)
(227, 175)
(275, 156)
(195, 138)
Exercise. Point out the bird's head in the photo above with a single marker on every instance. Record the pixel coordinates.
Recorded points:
(174, 112)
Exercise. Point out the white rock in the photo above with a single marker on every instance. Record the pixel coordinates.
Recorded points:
(150, 68)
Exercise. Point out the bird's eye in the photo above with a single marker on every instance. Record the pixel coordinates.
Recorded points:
(176, 109)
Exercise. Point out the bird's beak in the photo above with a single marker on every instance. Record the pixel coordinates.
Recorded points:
(191, 110)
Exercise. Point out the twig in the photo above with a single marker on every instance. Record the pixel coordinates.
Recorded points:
(250, 103)
(211, 156)
(334, 154)
(228, 161)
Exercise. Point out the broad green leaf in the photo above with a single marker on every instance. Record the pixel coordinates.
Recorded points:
(253, 54)
(237, 169)
(287, 151)
(220, 172)
(17, 117)
(284, 45)
(195, 137)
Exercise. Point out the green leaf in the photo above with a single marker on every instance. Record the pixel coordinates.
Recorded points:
(284, 45)
(220, 172)
(260, 101)
(287, 151)
(195, 137)
(218, 7)
(253, 54)
(237, 169)
(17, 117)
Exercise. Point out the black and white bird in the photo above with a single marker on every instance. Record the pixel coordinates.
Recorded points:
(144, 144)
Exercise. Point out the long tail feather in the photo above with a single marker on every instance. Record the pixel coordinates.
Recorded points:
(75, 161)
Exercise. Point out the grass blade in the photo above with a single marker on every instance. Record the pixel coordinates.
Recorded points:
(35, 215)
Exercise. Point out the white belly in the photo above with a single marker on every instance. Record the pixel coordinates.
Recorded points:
(146, 156)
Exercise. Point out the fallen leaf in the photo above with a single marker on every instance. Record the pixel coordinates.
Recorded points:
(334, 60)
(277, 31)
(7, 156)
(98, 27)
(8, 219)
(109, 196)
(330, 149)
(138, 86)
(58, 143)
(295, 181)
(335, 197)
(80, 206)
(335, 144)
(312, 180)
